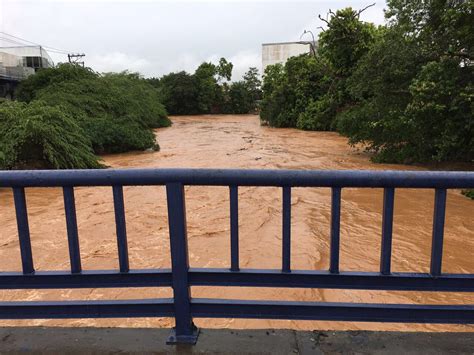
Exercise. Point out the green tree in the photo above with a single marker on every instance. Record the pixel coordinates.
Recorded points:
(310, 90)
(414, 89)
(207, 86)
(49, 76)
(224, 69)
(37, 135)
(345, 40)
(253, 84)
(240, 98)
(179, 93)
(116, 110)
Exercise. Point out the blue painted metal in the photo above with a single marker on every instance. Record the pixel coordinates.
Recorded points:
(234, 228)
(335, 229)
(87, 309)
(86, 279)
(121, 229)
(286, 240)
(181, 277)
(438, 231)
(239, 177)
(324, 279)
(71, 225)
(23, 230)
(356, 312)
(245, 277)
(387, 227)
(184, 331)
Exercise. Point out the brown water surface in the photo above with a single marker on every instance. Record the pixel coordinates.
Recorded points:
(240, 142)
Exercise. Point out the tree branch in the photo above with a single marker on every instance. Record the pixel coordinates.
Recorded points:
(324, 20)
(365, 8)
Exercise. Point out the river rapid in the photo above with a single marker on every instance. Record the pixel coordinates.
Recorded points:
(239, 141)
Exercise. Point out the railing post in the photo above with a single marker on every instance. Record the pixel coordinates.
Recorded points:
(335, 230)
(72, 234)
(121, 228)
(438, 232)
(184, 332)
(286, 223)
(387, 229)
(23, 230)
(234, 228)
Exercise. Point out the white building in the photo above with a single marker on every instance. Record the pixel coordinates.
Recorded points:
(17, 63)
(31, 56)
(273, 53)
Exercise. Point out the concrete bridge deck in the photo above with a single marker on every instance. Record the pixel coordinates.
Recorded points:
(226, 341)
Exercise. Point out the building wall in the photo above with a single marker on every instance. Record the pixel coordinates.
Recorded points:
(10, 60)
(273, 53)
(29, 51)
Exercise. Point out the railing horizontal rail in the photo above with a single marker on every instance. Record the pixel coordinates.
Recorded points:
(357, 312)
(218, 308)
(325, 279)
(245, 277)
(86, 279)
(229, 177)
(162, 307)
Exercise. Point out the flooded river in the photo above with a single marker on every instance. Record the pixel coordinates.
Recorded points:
(240, 142)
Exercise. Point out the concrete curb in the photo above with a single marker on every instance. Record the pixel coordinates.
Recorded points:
(52, 340)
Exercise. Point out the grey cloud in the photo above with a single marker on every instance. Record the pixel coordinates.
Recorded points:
(156, 37)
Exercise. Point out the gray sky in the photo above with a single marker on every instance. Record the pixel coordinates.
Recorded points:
(157, 37)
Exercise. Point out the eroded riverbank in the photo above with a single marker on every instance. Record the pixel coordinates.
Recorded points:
(240, 142)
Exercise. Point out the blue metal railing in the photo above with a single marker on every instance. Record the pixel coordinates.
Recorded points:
(181, 277)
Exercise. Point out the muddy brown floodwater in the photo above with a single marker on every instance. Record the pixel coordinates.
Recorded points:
(240, 142)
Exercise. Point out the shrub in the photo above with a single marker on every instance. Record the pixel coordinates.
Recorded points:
(37, 135)
(115, 110)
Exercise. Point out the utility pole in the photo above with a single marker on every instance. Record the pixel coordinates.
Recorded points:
(74, 58)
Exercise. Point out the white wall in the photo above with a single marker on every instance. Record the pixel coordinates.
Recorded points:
(273, 53)
(10, 60)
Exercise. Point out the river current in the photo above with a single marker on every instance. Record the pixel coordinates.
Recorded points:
(239, 141)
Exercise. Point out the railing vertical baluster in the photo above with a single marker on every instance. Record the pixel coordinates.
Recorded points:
(71, 225)
(185, 331)
(234, 228)
(286, 252)
(438, 231)
(121, 228)
(335, 229)
(23, 230)
(387, 228)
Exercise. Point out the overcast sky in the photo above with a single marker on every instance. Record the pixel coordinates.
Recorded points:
(157, 37)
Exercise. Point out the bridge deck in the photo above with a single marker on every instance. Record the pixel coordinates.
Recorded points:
(227, 341)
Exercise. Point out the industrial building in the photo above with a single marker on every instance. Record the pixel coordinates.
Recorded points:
(17, 63)
(273, 53)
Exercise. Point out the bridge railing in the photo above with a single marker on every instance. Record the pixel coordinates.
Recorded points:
(181, 277)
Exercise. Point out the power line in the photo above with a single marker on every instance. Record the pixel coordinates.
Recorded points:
(51, 49)
(10, 40)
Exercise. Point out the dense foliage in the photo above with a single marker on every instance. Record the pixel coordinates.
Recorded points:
(208, 90)
(405, 90)
(106, 113)
(41, 136)
(115, 110)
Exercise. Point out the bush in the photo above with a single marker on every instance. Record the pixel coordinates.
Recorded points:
(37, 135)
(115, 110)
(319, 115)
